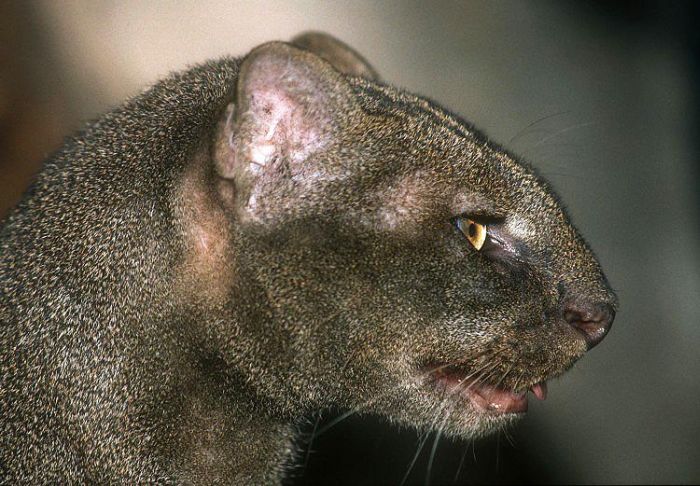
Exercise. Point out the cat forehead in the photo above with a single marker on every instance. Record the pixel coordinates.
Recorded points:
(434, 149)
(383, 99)
(474, 189)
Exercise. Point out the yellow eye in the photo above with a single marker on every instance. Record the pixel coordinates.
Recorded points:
(475, 232)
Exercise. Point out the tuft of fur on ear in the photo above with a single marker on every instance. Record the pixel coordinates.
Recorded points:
(285, 110)
(344, 58)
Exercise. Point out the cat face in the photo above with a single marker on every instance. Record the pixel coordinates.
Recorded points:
(388, 258)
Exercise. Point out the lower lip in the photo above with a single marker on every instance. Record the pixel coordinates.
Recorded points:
(495, 400)
(488, 398)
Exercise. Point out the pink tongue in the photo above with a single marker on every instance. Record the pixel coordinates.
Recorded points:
(540, 390)
(498, 400)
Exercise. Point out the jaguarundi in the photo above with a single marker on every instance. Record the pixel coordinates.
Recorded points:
(257, 238)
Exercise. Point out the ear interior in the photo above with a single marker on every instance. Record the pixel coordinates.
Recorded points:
(281, 111)
(286, 110)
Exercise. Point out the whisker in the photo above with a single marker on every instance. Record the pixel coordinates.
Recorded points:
(415, 456)
(530, 125)
(471, 358)
(442, 408)
(509, 438)
(481, 372)
(517, 382)
(310, 443)
(484, 372)
(498, 448)
(340, 418)
(505, 375)
(559, 132)
(369, 402)
(434, 450)
(461, 463)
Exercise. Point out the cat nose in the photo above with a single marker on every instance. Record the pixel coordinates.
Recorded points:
(592, 320)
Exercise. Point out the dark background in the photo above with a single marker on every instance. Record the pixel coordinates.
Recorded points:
(600, 96)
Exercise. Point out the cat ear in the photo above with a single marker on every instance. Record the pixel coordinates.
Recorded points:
(340, 55)
(286, 111)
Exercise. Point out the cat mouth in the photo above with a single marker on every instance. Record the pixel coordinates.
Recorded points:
(485, 397)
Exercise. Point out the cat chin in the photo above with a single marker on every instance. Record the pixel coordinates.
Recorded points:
(473, 410)
(431, 407)
(456, 420)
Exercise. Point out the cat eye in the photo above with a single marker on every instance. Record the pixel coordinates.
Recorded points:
(475, 232)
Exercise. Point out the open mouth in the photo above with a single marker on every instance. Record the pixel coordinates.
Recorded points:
(484, 397)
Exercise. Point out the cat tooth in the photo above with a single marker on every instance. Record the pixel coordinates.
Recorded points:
(540, 390)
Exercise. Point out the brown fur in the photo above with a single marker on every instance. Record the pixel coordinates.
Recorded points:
(254, 239)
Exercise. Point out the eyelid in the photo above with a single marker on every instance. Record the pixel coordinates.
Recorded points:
(482, 218)
(496, 245)
(500, 245)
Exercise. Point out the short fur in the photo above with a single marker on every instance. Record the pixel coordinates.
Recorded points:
(257, 238)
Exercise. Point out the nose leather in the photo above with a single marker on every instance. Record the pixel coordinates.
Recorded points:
(592, 320)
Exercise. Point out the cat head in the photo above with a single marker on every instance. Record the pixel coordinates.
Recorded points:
(382, 255)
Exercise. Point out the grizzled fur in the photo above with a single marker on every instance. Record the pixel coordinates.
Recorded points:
(257, 238)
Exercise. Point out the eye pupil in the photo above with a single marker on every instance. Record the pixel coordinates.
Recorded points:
(475, 232)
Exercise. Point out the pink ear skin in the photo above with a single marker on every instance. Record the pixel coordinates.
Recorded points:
(284, 114)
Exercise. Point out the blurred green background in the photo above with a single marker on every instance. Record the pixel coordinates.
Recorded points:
(600, 96)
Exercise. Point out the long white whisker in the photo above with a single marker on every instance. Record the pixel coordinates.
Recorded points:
(530, 125)
(442, 407)
(498, 448)
(461, 463)
(415, 456)
(434, 449)
(559, 132)
(341, 417)
(509, 438)
(311, 440)
(505, 375)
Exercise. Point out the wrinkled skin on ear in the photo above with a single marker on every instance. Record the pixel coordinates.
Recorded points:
(287, 109)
